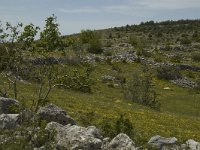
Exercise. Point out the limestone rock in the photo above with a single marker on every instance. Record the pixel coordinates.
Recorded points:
(121, 142)
(9, 121)
(6, 105)
(162, 142)
(53, 113)
(75, 137)
(193, 145)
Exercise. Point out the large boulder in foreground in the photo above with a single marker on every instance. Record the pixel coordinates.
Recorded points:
(75, 137)
(7, 105)
(53, 113)
(193, 145)
(9, 121)
(162, 142)
(121, 142)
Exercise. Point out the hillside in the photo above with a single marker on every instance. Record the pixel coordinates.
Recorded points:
(102, 71)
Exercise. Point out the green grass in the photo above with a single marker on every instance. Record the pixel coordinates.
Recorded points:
(179, 116)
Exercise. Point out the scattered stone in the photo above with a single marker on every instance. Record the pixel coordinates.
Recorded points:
(52, 112)
(121, 142)
(166, 88)
(107, 78)
(75, 137)
(184, 82)
(183, 146)
(162, 142)
(189, 67)
(7, 105)
(28, 116)
(9, 121)
(193, 145)
(105, 143)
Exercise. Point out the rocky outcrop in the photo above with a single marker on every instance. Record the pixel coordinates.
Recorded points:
(52, 112)
(162, 142)
(121, 142)
(193, 145)
(9, 121)
(75, 137)
(184, 82)
(7, 105)
(189, 67)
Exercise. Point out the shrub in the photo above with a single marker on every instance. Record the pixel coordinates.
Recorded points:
(95, 46)
(140, 90)
(167, 73)
(77, 80)
(196, 57)
(158, 58)
(133, 40)
(107, 53)
(87, 35)
(120, 125)
(185, 41)
(176, 59)
(197, 88)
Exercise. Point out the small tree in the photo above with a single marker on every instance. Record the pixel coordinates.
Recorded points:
(27, 37)
(50, 37)
(93, 40)
(11, 57)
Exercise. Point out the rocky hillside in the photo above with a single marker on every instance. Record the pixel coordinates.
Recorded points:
(128, 83)
(62, 132)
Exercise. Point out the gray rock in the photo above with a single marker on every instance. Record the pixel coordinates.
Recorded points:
(162, 142)
(193, 145)
(28, 116)
(105, 142)
(121, 142)
(41, 148)
(9, 121)
(106, 78)
(184, 82)
(53, 113)
(183, 146)
(75, 137)
(6, 105)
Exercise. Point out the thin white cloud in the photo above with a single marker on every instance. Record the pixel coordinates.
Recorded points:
(79, 10)
(117, 8)
(168, 4)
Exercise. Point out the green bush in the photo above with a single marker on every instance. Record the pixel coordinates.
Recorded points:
(185, 41)
(95, 46)
(176, 59)
(140, 90)
(167, 73)
(77, 80)
(120, 125)
(87, 35)
(196, 57)
(92, 38)
(134, 40)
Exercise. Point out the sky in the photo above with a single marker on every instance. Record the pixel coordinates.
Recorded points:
(75, 15)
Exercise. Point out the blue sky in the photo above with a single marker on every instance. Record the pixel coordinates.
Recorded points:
(74, 15)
